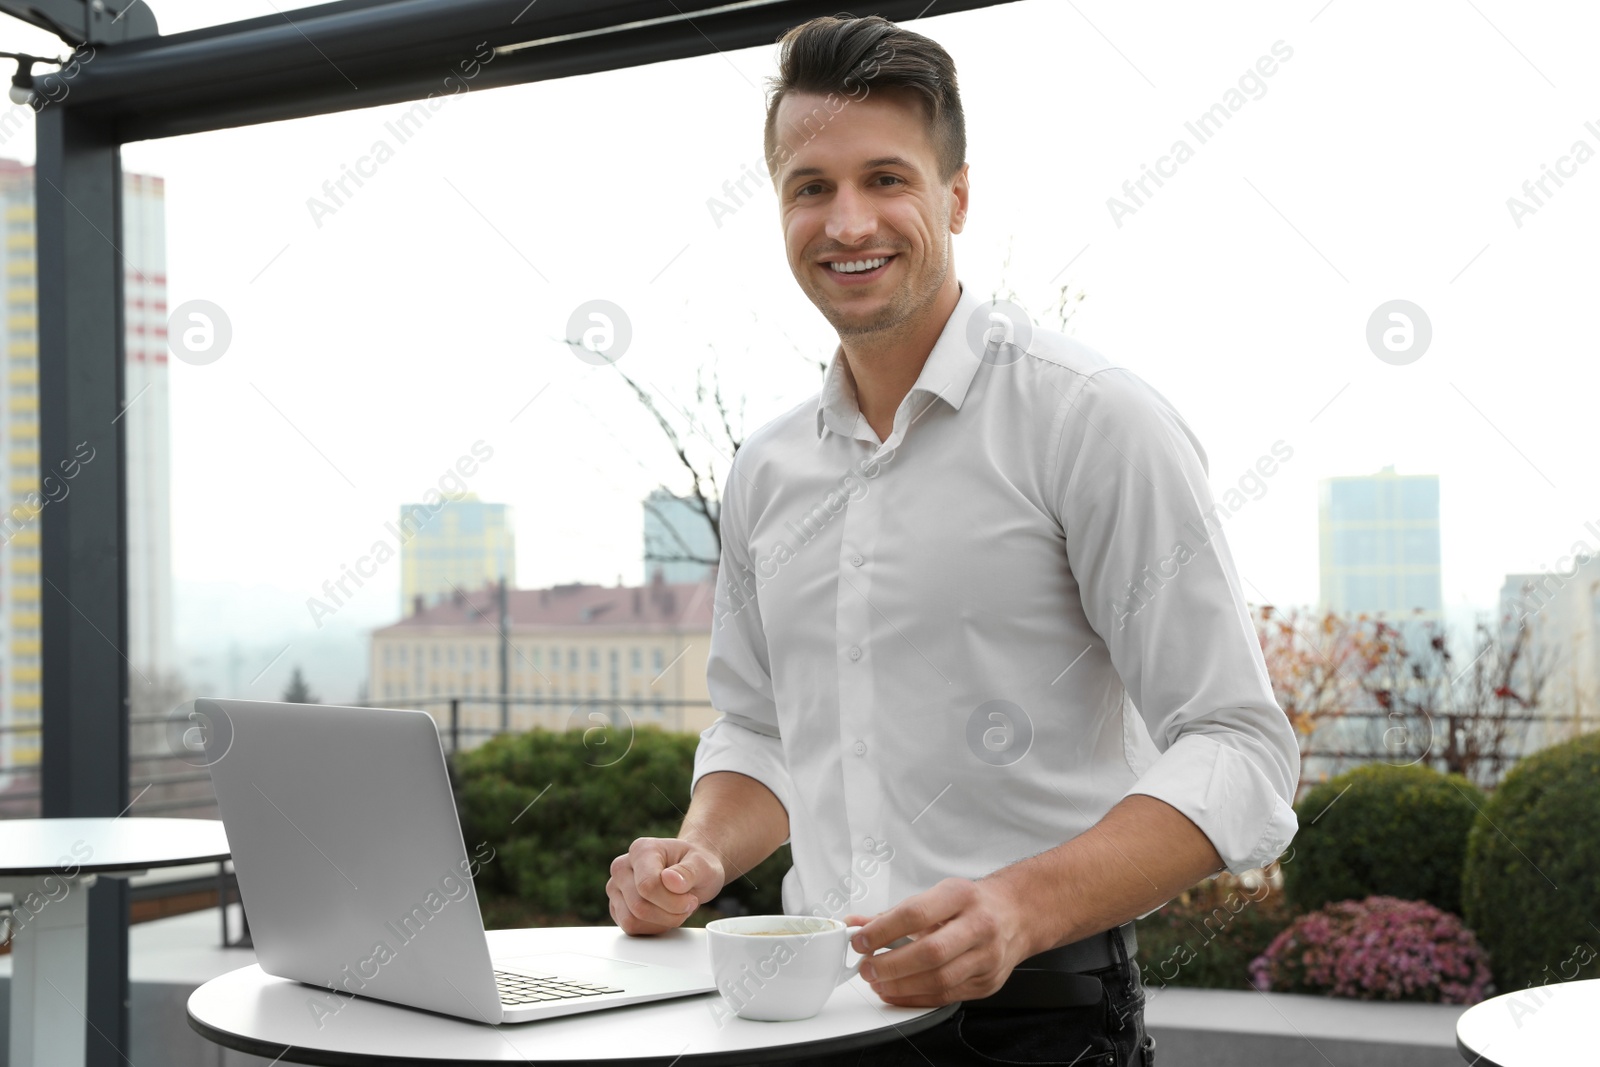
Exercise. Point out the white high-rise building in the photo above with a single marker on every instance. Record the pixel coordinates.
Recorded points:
(1561, 609)
(674, 527)
(463, 545)
(34, 481)
(1379, 548)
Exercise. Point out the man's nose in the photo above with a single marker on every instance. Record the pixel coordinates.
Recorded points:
(852, 216)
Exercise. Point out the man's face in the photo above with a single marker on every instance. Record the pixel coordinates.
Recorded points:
(860, 182)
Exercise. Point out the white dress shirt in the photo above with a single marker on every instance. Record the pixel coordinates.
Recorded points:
(961, 646)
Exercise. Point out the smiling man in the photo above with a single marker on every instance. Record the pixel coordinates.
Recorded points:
(968, 662)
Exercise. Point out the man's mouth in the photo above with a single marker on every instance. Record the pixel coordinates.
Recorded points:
(860, 269)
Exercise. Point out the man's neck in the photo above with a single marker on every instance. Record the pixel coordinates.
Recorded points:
(885, 366)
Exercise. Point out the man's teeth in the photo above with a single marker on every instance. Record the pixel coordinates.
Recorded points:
(859, 265)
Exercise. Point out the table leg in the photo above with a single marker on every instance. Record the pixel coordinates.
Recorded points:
(49, 969)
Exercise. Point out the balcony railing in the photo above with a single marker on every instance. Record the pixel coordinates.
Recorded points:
(164, 780)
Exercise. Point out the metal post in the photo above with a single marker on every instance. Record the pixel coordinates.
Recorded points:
(455, 725)
(49, 970)
(83, 595)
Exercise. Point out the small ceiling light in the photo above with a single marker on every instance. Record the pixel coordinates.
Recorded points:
(22, 82)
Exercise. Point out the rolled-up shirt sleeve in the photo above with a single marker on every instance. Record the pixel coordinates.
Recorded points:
(745, 736)
(1158, 584)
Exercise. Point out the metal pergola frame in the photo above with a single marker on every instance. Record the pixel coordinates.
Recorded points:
(139, 85)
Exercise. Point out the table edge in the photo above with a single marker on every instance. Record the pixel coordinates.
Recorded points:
(106, 868)
(1473, 1056)
(732, 1058)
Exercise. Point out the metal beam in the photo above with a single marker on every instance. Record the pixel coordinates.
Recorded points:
(83, 542)
(360, 53)
(86, 21)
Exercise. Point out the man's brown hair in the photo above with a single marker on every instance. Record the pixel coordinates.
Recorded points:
(844, 58)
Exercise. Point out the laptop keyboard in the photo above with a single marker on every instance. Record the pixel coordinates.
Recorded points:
(517, 989)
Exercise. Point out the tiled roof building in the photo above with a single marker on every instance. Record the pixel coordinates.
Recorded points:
(582, 651)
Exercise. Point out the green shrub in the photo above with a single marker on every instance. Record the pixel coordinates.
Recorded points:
(558, 807)
(1386, 831)
(1207, 935)
(1532, 880)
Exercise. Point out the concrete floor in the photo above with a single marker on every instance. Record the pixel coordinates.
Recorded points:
(1223, 1028)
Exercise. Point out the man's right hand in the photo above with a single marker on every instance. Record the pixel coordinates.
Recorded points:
(659, 883)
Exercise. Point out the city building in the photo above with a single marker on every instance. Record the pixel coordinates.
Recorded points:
(146, 433)
(1379, 547)
(463, 545)
(586, 653)
(674, 527)
(1561, 609)
(34, 482)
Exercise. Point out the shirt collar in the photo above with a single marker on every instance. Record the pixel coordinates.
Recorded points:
(947, 372)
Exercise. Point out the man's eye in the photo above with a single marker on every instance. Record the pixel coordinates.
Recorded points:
(890, 178)
(802, 190)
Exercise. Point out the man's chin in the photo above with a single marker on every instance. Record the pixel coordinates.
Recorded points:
(860, 318)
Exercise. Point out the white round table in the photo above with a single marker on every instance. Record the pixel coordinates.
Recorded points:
(1541, 1025)
(253, 1012)
(48, 865)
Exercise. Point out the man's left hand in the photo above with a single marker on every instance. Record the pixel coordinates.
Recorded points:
(967, 936)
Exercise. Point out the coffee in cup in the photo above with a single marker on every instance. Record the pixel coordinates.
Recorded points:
(777, 968)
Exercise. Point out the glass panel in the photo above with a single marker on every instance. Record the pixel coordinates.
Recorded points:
(1419, 548)
(1357, 548)
(401, 283)
(1353, 501)
(1419, 499)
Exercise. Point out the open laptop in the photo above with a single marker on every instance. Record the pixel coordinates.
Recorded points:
(355, 877)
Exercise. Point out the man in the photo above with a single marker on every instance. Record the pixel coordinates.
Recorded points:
(980, 650)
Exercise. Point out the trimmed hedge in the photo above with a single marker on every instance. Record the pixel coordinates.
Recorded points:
(558, 807)
(1532, 878)
(1395, 831)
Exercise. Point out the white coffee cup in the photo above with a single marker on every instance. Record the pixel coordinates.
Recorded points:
(777, 968)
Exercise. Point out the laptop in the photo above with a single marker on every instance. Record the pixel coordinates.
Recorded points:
(355, 877)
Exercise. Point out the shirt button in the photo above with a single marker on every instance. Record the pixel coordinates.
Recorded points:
(856, 561)
(870, 843)
(855, 652)
(861, 748)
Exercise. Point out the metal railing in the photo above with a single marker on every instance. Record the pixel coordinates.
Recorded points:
(158, 785)
(456, 714)
(160, 773)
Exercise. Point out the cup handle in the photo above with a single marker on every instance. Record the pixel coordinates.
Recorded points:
(850, 970)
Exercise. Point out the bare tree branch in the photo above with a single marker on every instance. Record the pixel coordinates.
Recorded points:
(686, 554)
(700, 478)
(1065, 305)
(820, 364)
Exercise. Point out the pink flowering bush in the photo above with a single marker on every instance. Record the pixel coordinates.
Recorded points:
(1380, 948)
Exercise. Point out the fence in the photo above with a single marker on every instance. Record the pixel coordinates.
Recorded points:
(161, 781)
(1353, 738)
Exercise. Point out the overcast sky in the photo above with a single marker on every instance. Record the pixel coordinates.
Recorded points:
(374, 345)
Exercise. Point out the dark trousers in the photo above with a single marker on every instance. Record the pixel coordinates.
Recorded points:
(1108, 1034)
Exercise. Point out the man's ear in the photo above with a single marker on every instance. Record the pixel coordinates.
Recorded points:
(959, 192)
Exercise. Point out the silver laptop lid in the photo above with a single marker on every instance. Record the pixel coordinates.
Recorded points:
(349, 854)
